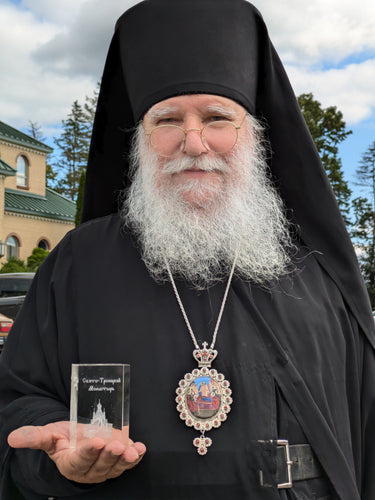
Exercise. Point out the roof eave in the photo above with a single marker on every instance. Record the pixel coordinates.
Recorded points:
(45, 215)
(42, 149)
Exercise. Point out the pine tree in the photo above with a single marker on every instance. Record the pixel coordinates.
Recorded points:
(35, 130)
(328, 130)
(74, 146)
(364, 223)
(79, 202)
(89, 108)
(366, 172)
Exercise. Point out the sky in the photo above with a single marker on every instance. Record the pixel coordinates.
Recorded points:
(53, 53)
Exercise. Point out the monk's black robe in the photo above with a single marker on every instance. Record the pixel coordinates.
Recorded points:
(298, 364)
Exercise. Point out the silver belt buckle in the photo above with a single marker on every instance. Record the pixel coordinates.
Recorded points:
(289, 484)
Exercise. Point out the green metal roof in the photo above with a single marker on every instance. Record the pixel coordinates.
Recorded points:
(6, 169)
(53, 205)
(10, 134)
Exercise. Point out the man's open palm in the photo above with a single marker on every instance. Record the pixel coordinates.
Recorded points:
(91, 461)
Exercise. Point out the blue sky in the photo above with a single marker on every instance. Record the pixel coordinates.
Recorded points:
(53, 52)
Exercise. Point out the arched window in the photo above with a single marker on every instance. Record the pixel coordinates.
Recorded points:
(12, 247)
(43, 244)
(22, 171)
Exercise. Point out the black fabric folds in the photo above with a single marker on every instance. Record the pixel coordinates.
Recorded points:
(298, 337)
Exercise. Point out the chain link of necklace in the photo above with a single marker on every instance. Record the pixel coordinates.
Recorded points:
(184, 312)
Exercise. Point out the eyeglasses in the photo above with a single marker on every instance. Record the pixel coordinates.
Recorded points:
(219, 137)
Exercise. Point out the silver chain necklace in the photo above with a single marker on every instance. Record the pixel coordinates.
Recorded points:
(203, 395)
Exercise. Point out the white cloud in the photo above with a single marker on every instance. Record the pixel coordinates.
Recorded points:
(20, 32)
(52, 54)
(29, 89)
(351, 89)
(82, 47)
(310, 32)
(59, 12)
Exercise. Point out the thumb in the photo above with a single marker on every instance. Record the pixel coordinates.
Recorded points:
(31, 437)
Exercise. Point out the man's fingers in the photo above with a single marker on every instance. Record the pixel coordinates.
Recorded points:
(140, 447)
(107, 460)
(129, 459)
(114, 459)
(97, 466)
(131, 454)
(86, 454)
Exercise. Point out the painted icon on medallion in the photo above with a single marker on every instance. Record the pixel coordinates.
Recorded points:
(203, 397)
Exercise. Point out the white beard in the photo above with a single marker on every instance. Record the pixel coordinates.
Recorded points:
(244, 220)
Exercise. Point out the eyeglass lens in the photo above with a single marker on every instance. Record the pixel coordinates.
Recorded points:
(219, 137)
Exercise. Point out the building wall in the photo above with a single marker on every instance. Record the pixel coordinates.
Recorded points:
(37, 167)
(2, 182)
(29, 231)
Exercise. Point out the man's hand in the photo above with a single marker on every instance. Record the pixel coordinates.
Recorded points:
(91, 461)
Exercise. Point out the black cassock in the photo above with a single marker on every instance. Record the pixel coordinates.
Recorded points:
(298, 364)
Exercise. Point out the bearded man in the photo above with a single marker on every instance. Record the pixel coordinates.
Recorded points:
(226, 241)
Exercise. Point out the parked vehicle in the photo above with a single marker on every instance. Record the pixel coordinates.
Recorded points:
(13, 288)
(5, 326)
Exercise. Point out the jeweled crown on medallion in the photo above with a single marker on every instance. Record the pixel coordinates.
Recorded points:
(204, 356)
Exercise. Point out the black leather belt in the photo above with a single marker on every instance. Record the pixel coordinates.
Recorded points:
(295, 462)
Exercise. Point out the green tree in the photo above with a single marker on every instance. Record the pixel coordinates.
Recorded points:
(36, 258)
(366, 172)
(51, 176)
(79, 202)
(13, 265)
(74, 146)
(364, 219)
(328, 130)
(89, 108)
(35, 130)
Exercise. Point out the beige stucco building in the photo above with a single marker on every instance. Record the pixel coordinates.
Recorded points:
(31, 214)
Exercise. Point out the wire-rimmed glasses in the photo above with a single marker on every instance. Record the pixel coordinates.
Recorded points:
(219, 137)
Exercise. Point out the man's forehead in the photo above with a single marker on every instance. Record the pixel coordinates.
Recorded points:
(198, 102)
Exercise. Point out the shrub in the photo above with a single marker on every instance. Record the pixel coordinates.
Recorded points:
(13, 265)
(35, 259)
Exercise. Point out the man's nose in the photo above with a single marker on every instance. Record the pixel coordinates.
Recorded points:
(193, 143)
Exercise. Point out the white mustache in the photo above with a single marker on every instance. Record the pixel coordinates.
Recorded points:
(178, 165)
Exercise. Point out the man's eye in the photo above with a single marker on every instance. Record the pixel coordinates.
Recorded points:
(218, 118)
(168, 120)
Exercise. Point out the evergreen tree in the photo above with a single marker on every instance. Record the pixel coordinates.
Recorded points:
(366, 172)
(79, 202)
(364, 223)
(89, 108)
(328, 130)
(35, 130)
(74, 146)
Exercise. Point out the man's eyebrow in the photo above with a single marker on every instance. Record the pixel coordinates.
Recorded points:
(156, 114)
(226, 112)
